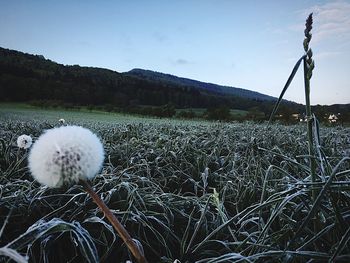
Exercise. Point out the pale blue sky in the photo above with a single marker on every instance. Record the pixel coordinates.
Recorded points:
(247, 44)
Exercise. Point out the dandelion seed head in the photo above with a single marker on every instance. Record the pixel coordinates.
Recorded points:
(24, 141)
(62, 121)
(65, 155)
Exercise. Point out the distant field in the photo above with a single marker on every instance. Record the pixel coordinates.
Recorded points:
(238, 112)
(26, 112)
(201, 111)
(195, 191)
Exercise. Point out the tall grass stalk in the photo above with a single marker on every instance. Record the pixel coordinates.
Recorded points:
(308, 67)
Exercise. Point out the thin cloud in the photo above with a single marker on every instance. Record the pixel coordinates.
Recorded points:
(331, 21)
(84, 43)
(326, 55)
(159, 37)
(181, 61)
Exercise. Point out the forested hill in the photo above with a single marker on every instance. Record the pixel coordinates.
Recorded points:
(26, 77)
(202, 86)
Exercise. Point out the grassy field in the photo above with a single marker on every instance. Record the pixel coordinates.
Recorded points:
(187, 190)
(200, 111)
(27, 112)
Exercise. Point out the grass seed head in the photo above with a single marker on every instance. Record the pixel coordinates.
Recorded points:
(65, 155)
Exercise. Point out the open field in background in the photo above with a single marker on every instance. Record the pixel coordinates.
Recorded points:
(19, 109)
(28, 112)
(194, 191)
(200, 111)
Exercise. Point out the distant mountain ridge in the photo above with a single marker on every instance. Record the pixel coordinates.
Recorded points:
(202, 86)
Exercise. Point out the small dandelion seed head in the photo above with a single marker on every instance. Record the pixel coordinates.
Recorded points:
(65, 155)
(62, 121)
(24, 141)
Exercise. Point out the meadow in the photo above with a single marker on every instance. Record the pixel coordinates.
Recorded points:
(187, 191)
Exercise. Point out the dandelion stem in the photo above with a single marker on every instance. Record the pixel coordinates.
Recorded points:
(123, 233)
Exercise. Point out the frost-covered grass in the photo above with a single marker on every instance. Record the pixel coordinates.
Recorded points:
(192, 191)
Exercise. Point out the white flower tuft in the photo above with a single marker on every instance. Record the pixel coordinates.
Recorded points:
(64, 155)
(62, 121)
(24, 141)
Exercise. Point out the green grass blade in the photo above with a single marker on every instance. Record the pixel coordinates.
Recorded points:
(12, 254)
(343, 242)
(43, 229)
(319, 197)
(198, 225)
(294, 71)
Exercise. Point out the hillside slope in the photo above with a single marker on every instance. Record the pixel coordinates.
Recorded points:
(202, 86)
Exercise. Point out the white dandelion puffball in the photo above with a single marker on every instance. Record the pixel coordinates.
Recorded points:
(65, 155)
(24, 141)
(62, 121)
